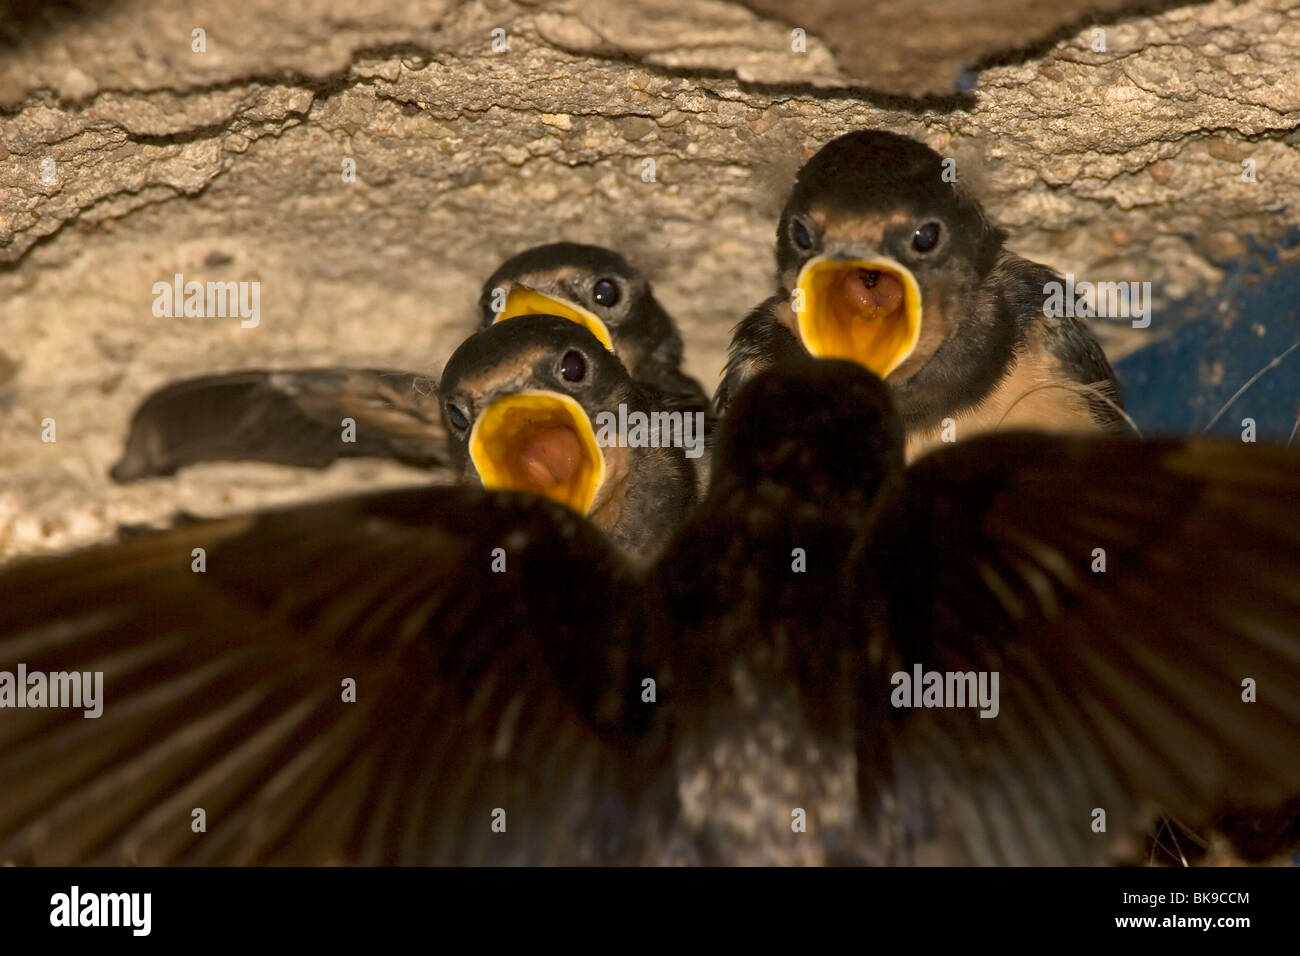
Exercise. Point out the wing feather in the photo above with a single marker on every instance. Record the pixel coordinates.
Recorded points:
(287, 416)
(1120, 689)
(224, 690)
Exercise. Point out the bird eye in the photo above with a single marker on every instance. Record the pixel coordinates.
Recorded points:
(801, 236)
(458, 417)
(606, 292)
(573, 366)
(926, 237)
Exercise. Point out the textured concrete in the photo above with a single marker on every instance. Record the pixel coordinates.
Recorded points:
(227, 164)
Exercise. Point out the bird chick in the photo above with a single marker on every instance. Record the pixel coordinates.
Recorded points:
(883, 262)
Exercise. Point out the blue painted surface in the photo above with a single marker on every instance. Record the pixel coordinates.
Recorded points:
(1178, 384)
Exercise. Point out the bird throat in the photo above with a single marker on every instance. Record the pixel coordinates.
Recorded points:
(867, 311)
(540, 442)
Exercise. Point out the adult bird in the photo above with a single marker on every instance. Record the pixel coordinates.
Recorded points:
(985, 658)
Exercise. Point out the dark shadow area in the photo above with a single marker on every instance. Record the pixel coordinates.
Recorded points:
(1038, 48)
(1218, 344)
(934, 49)
(22, 21)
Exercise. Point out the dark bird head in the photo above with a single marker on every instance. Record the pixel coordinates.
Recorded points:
(589, 285)
(821, 434)
(880, 251)
(534, 404)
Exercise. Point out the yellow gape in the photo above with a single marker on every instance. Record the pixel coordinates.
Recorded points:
(525, 301)
(867, 310)
(541, 442)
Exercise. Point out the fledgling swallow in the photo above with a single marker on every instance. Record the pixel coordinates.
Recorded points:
(883, 262)
(535, 404)
(294, 416)
(772, 667)
(596, 288)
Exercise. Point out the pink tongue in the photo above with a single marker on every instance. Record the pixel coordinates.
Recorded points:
(551, 455)
(867, 290)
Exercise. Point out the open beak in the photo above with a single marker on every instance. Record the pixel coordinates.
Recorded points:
(541, 442)
(865, 310)
(525, 301)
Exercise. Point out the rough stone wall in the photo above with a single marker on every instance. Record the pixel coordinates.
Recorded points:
(1122, 163)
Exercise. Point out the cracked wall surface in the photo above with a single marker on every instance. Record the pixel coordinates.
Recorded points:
(127, 157)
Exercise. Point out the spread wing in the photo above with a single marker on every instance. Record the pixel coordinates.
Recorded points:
(290, 417)
(367, 680)
(1167, 683)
